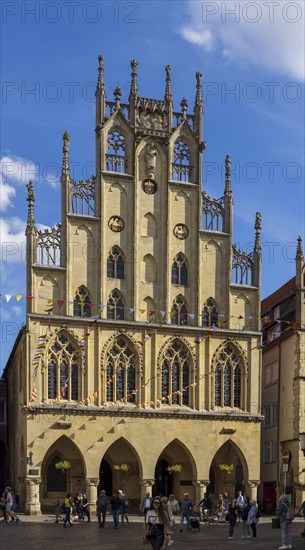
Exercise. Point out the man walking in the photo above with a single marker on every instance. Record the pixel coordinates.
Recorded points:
(101, 508)
(116, 504)
(186, 507)
(145, 504)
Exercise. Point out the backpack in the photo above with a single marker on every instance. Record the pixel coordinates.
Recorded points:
(258, 514)
(290, 515)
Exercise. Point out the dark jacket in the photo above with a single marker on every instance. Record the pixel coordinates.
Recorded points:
(245, 512)
(102, 503)
(116, 503)
(283, 507)
(233, 512)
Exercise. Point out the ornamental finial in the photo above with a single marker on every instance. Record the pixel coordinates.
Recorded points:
(31, 199)
(258, 227)
(100, 80)
(198, 100)
(299, 254)
(134, 83)
(117, 95)
(228, 187)
(168, 88)
(65, 171)
(184, 106)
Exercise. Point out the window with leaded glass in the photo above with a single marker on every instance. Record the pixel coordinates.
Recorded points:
(115, 156)
(115, 263)
(115, 306)
(121, 371)
(210, 313)
(82, 303)
(179, 312)
(180, 270)
(228, 372)
(181, 166)
(63, 368)
(175, 378)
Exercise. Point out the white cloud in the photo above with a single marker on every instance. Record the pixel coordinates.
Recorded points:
(268, 35)
(13, 241)
(13, 170)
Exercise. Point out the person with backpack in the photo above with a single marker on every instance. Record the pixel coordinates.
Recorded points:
(253, 517)
(286, 523)
(101, 508)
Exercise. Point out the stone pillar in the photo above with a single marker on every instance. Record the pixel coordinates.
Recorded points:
(146, 487)
(92, 484)
(252, 491)
(200, 489)
(32, 504)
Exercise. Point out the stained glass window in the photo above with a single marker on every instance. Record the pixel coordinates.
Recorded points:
(228, 373)
(179, 312)
(121, 371)
(115, 263)
(63, 368)
(180, 270)
(82, 303)
(176, 374)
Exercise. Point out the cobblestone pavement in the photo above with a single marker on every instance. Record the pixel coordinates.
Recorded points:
(42, 534)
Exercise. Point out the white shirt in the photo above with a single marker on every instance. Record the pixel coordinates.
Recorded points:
(152, 517)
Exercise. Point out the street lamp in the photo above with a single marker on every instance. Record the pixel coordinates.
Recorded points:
(302, 442)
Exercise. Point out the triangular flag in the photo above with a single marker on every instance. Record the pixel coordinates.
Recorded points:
(18, 297)
(60, 303)
(162, 312)
(192, 315)
(8, 297)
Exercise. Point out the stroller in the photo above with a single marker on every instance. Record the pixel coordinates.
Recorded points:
(195, 518)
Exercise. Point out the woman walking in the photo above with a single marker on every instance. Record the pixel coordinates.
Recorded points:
(286, 524)
(233, 511)
(252, 517)
(68, 505)
(244, 518)
(156, 525)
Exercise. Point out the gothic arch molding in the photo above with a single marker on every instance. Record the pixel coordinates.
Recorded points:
(49, 340)
(168, 343)
(132, 340)
(241, 351)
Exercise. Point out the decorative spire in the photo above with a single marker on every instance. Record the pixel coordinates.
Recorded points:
(228, 187)
(258, 227)
(65, 171)
(168, 88)
(299, 254)
(31, 200)
(134, 83)
(184, 106)
(198, 100)
(100, 80)
(117, 94)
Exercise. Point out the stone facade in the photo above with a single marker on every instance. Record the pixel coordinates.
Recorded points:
(142, 337)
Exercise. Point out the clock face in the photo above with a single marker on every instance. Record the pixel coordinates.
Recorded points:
(116, 224)
(181, 231)
(149, 186)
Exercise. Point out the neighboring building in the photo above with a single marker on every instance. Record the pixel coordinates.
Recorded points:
(142, 338)
(3, 435)
(283, 392)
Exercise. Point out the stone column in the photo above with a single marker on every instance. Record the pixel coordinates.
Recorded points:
(32, 504)
(146, 487)
(252, 491)
(92, 484)
(200, 489)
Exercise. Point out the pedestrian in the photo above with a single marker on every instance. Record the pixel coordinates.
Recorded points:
(244, 517)
(84, 507)
(173, 509)
(225, 505)
(58, 510)
(186, 508)
(3, 506)
(145, 504)
(157, 526)
(240, 504)
(76, 506)
(233, 511)
(124, 509)
(101, 508)
(116, 505)
(68, 507)
(302, 509)
(253, 516)
(9, 497)
(286, 524)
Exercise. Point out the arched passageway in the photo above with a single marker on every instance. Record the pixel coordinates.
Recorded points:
(228, 471)
(168, 481)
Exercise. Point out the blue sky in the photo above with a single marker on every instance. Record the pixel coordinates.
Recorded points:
(253, 88)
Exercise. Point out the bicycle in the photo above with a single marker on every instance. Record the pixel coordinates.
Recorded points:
(211, 519)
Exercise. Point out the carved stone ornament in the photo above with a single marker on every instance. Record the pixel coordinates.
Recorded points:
(149, 186)
(116, 224)
(151, 155)
(181, 231)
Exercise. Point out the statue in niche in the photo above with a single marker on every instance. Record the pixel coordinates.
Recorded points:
(151, 155)
(144, 119)
(157, 122)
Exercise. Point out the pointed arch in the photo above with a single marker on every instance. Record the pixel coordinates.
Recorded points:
(181, 168)
(120, 369)
(228, 453)
(149, 226)
(63, 362)
(229, 369)
(116, 186)
(210, 313)
(115, 263)
(82, 303)
(180, 270)
(149, 305)
(116, 151)
(179, 311)
(49, 290)
(177, 371)
(149, 269)
(115, 306)
(182, 196)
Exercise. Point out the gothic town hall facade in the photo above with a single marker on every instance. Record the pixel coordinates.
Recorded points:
(140, 357)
